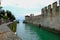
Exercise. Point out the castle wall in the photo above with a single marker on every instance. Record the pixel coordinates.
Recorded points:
(54, 8)
(59, 7)
(50, 17)
(59, 2)
(42, 11)
(59, 10)
(45, 12)
(49, 10)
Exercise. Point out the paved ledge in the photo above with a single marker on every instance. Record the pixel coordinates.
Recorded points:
(6, 33)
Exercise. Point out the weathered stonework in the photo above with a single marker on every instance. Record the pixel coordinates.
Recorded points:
(49, 18)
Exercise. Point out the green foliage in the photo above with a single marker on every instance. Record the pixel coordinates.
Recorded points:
(5, 17)
(0, 7)
(13, 26)
(10, 16)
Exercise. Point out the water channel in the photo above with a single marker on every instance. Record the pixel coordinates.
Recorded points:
(31, 32)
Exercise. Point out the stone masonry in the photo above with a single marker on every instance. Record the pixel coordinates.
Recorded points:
(50, 17)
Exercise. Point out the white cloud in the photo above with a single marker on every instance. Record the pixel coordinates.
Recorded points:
(26, 3)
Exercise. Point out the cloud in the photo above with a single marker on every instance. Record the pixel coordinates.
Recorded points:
(27, 3)
(26, 7)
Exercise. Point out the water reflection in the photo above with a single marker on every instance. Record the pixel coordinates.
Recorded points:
(30, 32)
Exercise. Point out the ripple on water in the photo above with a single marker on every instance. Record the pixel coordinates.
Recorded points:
(30, 32)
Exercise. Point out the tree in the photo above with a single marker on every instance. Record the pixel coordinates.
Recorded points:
(2, 12)
(5, 17)
(10, 16)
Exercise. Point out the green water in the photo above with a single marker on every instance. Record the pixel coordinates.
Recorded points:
(30, 32)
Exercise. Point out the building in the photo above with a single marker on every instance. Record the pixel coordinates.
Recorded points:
(49, 18)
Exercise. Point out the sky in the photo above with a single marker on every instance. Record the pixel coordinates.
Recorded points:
(20, 8)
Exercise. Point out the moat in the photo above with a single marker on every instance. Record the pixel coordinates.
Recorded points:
(30, 32)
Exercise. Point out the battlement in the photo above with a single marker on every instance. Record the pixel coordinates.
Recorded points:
(54, 4)
(49, 6)
(50, 10)
(45, 11)
(31, 15)
(42, 12)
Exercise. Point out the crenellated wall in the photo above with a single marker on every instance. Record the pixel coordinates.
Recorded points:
(50, 17)
(54, 8)
(59, 7)
(45, 12)
(49, 10)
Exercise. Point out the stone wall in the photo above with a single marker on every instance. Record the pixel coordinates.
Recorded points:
(50, 17)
